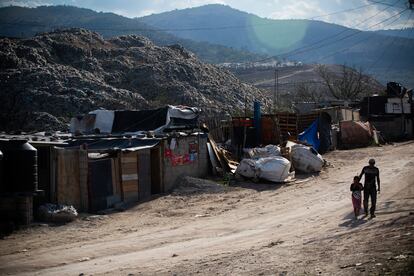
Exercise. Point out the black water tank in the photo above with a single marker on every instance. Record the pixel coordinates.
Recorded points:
(1, 167)
(19, 167)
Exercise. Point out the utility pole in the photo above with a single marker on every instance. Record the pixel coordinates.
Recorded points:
(245, 105)
(276, 89)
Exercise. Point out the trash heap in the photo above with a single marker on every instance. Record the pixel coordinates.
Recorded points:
(271, 163)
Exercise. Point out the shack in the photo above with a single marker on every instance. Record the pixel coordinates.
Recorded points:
(391, 114)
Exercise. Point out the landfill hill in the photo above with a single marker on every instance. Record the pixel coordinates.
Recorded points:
(53, 76)
(27, 22)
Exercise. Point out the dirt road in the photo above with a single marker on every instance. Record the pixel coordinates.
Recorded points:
(304, 227)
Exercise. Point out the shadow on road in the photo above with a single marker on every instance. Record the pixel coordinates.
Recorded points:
(259, 187)
(351, 222)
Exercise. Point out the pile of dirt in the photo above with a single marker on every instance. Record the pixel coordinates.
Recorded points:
(68, 72)
(190, 185)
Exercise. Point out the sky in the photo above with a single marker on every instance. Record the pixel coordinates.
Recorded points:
(275, 9)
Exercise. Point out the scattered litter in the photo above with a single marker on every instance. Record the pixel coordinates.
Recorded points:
(174, 255)
(274, 243)
(201, 216)
(400, 257)
(353, 265)
(57, 213)
(84, 259)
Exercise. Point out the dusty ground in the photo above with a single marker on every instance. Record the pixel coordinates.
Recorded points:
(300, 228)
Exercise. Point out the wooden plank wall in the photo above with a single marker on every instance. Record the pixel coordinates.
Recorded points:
(116, 175)
(288, 124)
(305, 120)
(270, 133)
(129, 176)
(83, 180)
(157, 185)
(68, 178)
(144, 165)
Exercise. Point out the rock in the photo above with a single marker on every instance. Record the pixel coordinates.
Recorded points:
(84, 259)
(51, 77)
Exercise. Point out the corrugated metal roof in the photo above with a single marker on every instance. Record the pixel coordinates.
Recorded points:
(125, 144)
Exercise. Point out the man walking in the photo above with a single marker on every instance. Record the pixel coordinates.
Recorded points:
(370, 190)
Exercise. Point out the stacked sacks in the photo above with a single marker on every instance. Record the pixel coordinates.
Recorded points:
(265, 163)
(305, 159)
(267, 151)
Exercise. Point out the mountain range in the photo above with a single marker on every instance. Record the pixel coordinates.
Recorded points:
(218, 33)
(388, 54)
(405, 32)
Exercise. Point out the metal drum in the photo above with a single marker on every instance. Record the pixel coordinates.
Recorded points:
(19, 167)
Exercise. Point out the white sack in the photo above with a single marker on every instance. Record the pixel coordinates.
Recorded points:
(247, 168)
(305, 159)
(267, 151)
(275, 169)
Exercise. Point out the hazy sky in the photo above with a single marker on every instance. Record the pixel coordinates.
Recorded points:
(277, 9)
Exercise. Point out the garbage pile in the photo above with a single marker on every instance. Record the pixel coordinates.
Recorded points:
(57, 213)
(48, 78)
(267, 151)
(274, 164)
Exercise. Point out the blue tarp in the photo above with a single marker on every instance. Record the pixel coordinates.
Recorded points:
(310, 135)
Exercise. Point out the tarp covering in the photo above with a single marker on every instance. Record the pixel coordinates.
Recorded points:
(83, 124)
(180, 117)
(103, 120)
(132, 121)
(310, 135)
(325, 132)
(355, 133)
(139, 120)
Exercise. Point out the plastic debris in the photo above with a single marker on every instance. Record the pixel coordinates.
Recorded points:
(57, 213)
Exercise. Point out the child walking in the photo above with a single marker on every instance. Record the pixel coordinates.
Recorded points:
(356, 188)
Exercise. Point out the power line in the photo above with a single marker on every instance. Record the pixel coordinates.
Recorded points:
(381, 3)
(352, 9)
(364, 39)
(306, 48)
(393, 39)
(393, 60)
